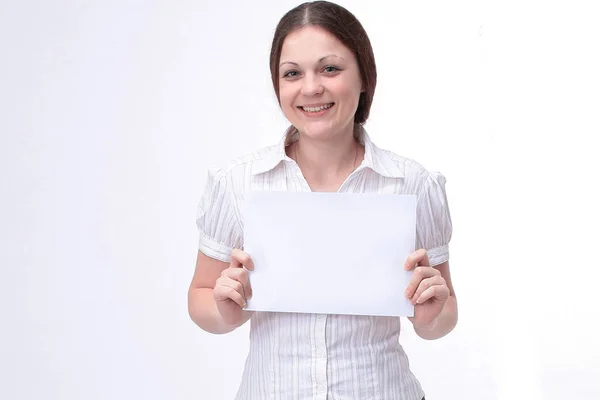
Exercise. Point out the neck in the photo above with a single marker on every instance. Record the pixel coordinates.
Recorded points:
(327, 163)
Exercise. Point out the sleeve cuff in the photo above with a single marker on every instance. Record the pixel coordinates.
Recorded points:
(214, 249)
(438, 255)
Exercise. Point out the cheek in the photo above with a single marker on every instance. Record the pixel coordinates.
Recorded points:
(347, 89)
(286, 94)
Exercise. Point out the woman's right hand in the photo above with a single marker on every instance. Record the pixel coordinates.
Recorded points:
(232, 289)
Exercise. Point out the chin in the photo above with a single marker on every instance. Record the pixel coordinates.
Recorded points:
(318, 131)
(322, 129)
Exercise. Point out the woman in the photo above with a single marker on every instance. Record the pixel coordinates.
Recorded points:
(324, 76)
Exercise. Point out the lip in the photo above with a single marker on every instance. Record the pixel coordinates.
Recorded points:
(311, 114)
(317, 104)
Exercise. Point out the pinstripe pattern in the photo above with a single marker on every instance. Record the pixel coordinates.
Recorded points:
(333, 357)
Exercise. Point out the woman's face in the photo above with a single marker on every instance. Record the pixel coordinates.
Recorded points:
(319, 83)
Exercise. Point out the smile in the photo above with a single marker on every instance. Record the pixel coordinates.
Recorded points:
(316, 109)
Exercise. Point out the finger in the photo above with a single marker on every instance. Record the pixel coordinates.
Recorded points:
(418, 257)
(426, 284)
(418, 275)
(240, 275)
(228, 288)
(234, 284)
(240, 258)
(440, 291)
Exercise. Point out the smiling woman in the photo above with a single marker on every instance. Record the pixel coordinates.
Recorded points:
(324, 75)
(320, 44)
(318, 93)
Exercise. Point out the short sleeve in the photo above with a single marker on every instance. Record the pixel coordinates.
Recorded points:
(216, 219)
(434, 224)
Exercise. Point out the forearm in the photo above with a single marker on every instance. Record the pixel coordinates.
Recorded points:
(443, 324)
(203, 311)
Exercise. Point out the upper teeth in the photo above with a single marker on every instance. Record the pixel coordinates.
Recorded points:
(315, 109)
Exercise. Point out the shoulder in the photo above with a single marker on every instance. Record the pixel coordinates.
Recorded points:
(414, 174)
(239, 169)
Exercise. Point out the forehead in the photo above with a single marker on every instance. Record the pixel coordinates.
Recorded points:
(310, 43)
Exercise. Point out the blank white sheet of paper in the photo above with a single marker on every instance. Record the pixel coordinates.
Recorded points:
(329, 253)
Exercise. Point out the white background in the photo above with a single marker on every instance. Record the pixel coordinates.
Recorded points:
(112, 111)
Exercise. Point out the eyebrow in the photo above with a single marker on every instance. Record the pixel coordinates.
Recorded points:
(320, 59)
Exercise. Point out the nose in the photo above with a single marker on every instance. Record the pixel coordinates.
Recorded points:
(311, 85)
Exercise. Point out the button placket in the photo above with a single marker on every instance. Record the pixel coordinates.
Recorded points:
(321, 356)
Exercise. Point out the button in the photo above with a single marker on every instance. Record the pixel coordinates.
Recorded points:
(321, 316)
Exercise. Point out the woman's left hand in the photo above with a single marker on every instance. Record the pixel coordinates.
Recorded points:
(427, 289)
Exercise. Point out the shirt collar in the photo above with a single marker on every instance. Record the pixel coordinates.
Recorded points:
(376, 159)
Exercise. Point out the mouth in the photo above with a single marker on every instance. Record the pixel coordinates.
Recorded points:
(316, 108)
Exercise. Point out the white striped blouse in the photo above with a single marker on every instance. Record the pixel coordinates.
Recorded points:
(308, 356)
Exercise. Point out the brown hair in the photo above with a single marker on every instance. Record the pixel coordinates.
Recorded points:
(342, 24)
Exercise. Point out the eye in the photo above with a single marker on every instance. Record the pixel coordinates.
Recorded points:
(330, 69)
(291, 74)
